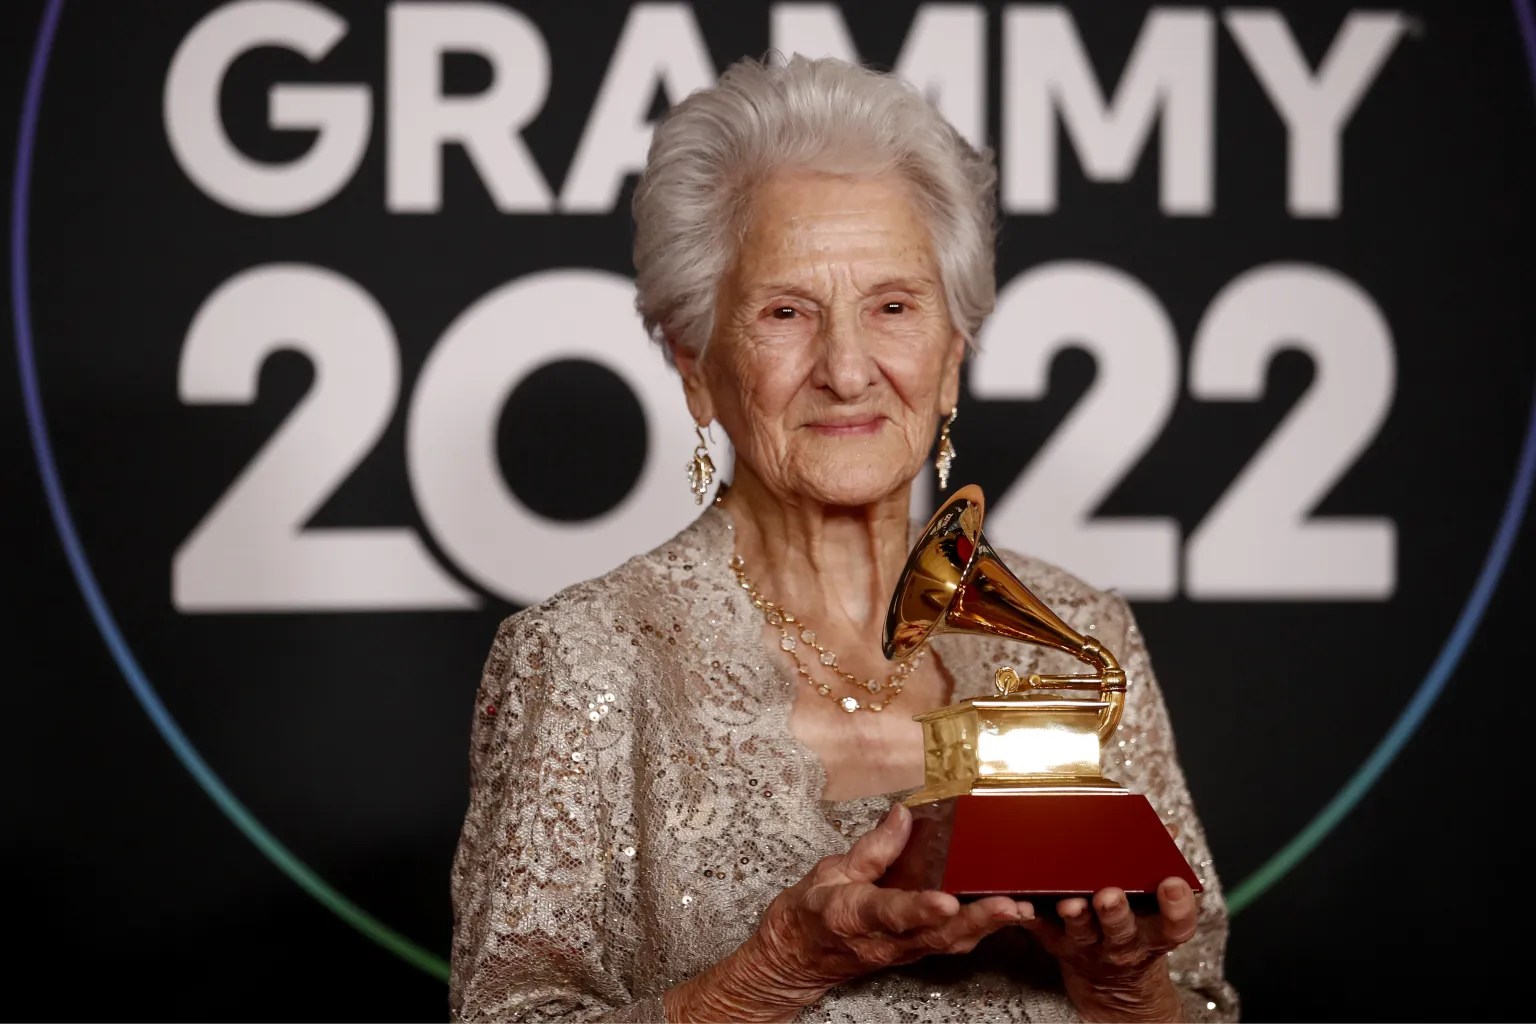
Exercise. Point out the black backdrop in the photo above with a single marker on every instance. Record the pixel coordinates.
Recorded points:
(1388, 284)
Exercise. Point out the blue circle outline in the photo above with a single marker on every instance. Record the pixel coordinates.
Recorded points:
(74, 551)
(1277, 865)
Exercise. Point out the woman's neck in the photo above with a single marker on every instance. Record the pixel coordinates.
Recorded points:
(833, 565)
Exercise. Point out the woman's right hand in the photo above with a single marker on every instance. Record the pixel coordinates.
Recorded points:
(835, 925)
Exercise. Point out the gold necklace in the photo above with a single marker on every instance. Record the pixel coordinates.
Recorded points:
(793, 632)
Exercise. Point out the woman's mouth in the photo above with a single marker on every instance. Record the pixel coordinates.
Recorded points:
(848, 427)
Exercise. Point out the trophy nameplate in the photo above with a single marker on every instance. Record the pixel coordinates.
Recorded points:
(1014, 801)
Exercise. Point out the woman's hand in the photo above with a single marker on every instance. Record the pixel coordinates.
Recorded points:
(1113, 959)
(834, 925)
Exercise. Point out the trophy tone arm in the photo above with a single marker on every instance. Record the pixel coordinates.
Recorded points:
(1109, 680)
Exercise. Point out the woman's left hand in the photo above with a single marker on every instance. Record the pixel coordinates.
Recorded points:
(1112, 958)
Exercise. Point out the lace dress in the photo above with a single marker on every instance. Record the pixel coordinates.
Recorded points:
(637, 799)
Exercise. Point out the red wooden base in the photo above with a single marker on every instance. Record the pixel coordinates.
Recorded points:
(1039, 844)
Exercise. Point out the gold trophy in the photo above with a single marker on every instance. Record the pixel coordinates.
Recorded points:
(1014, 801)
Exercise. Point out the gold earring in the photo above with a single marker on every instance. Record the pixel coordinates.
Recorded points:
(946, 454)
(701, 469)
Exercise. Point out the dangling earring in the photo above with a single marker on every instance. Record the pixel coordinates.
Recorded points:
(701, 469)
(946, 454)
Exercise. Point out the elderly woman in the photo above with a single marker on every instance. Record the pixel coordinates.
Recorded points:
(683, 772)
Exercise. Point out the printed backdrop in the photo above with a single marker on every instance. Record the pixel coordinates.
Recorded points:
(327, 362)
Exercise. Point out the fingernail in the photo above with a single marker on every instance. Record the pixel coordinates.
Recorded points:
(1026, 912)
(1170, 889)
(1111, 902)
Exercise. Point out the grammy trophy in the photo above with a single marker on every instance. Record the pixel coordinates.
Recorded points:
(1014, 800)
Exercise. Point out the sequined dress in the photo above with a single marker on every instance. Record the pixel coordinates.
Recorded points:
(637, 799)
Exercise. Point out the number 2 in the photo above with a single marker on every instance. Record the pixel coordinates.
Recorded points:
(1258, 542)
(252, 551)
(1049, 511)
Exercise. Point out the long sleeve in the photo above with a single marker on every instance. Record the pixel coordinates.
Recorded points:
(1144, 758)
(536, 936)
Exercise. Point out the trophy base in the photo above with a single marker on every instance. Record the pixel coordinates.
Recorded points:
(1042, 845)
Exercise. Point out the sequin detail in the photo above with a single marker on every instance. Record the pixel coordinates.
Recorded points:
(583, 892)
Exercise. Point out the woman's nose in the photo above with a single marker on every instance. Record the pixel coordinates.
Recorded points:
(846, 366)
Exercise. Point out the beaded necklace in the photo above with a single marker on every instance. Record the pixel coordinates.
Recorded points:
(793, 632)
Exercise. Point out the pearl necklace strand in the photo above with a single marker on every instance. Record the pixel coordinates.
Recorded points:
(793, 632)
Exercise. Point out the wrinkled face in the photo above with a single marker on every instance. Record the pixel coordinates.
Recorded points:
(833, 355)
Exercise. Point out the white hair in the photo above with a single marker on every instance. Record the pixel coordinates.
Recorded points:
(713, 148)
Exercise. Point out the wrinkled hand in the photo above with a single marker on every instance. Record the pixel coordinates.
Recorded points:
(835, 924)
(1113, 958)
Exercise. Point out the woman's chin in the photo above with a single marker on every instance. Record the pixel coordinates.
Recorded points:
(854, 485)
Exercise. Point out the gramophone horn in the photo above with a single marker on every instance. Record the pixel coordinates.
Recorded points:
(955, 583)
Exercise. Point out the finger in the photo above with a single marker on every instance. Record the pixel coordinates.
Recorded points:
(981, 917)
(1078, 923)
(897, 911)
(1117, 922)
(1179, 912)
(878, 848)
(974, 922)
(982, 914)
(985, 917)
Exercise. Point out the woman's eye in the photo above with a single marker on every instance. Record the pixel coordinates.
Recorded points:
(894, 307)
(785, 313)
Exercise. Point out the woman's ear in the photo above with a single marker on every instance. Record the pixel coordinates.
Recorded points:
(700, 404)
(949, 384)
